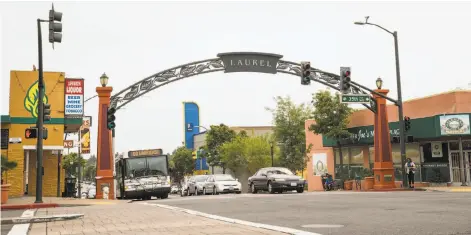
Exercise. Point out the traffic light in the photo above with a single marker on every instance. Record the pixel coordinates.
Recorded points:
(46, 112)
(110, 118)
(32, 133)
(407, 123)
(305, 73)
(345, 80)
(55, 29)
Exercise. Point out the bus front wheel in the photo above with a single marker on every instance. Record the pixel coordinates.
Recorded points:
(164, 196)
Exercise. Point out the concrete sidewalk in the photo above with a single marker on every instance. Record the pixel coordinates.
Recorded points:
(132, 218)
(449, 189)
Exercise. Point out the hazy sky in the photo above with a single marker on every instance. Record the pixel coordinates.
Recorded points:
(130, 41)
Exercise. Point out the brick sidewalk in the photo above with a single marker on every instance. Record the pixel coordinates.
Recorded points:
(138, 219)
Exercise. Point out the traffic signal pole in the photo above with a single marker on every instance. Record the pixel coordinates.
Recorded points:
(40, 121)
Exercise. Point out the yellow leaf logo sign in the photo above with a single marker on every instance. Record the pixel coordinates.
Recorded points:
(32, 98)
(86, 140)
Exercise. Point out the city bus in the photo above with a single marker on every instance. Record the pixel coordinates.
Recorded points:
(142, 174)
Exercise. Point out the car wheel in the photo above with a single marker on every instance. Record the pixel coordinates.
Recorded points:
(164, 196)
(204, 191)
(215, 191)
(270, 188)
(252, 188)
(238, 192)
(300, 190)
(196, 191)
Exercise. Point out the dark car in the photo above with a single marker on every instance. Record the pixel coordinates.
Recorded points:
(276, 179)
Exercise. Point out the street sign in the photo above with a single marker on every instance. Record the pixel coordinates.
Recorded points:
(356, 98)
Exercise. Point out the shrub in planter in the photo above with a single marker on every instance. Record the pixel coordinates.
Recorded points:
(6, 166)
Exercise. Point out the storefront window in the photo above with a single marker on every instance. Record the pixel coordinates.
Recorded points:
(342, 170)
(344, 156)
(412, 152)
(356, 156)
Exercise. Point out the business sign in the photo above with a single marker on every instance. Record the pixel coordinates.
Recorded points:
(147, 152)
(437, 149)
(319, 163)
(74, 91)
(85, 135)
(68, 144)
(455, 124)
(191, 122)
(250, 62)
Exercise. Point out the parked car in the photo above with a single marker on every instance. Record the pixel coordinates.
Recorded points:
(200, 184)
(224, 183)
(275, 179)
(174, 189)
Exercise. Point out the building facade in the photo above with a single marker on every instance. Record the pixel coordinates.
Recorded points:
(23, 113)
(439, 141)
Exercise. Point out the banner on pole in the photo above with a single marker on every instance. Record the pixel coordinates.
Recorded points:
(85, 135)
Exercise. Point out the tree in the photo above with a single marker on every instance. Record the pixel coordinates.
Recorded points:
(70, 162)
(183, 163)
(89, 172)
(289, 120)
(250, 153)
(7, 165)
(332, 118)
(215, 138)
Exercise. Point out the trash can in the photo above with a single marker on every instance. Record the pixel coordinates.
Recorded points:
(70, 187)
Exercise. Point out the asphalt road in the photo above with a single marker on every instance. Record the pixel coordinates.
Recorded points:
(388, 213)
(9, 214)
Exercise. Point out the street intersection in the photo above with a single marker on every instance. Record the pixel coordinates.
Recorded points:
(341, 212)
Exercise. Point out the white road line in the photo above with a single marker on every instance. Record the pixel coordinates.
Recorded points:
(22, 229)
(236, 221)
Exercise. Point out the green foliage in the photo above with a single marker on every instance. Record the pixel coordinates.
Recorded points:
(215, 138)
(89, 172)
(183, 163)
(70, 162)
(289, 120)
(331, 116)
(245, 152)
(7, 165)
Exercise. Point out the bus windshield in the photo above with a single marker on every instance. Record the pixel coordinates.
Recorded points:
(146, 166)
(157, 165)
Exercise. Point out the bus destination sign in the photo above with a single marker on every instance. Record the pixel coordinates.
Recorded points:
(147, 152)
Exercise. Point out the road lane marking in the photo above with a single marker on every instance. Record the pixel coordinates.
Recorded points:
(323, 226)
(22, 229)
(236, 221)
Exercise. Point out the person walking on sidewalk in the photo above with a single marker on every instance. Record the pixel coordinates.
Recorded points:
(410, 171)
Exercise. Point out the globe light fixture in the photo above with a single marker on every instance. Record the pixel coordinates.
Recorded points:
(104, 80)
(379, 83)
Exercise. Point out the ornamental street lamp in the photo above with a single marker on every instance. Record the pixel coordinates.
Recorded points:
(399, 98)
(379, 83)
(104, 80)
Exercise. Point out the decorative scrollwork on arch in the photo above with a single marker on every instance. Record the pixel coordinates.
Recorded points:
(164, 77)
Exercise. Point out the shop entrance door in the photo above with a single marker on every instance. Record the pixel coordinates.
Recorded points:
(455, 166)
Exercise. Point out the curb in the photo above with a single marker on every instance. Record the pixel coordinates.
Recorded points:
(29, 206)
(236, 221)
(398, 190)
(40, 219)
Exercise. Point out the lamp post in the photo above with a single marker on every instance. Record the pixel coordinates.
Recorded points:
(399, 99)
(379, 83)
(104, 80)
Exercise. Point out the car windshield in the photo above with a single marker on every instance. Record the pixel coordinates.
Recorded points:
(279, 171)
(200, 179)
(223, 178)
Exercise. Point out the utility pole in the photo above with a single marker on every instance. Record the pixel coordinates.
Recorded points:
(271, 153)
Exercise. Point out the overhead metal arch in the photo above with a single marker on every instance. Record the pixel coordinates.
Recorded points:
(240, 62)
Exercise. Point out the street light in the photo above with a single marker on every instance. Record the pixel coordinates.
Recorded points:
(399, 98)
(104, 80)
(379, 83)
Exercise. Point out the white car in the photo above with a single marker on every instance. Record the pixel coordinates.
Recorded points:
(224, 183)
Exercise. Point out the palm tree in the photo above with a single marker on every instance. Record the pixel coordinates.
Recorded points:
(7, 165)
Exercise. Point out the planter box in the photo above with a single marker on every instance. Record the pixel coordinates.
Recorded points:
(5, 189)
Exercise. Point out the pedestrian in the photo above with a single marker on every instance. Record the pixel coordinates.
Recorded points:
(410, 171)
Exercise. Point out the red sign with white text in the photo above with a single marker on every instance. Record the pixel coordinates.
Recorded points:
(74, 86)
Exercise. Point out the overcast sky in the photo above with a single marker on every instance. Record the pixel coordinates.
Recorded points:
(130, 41)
